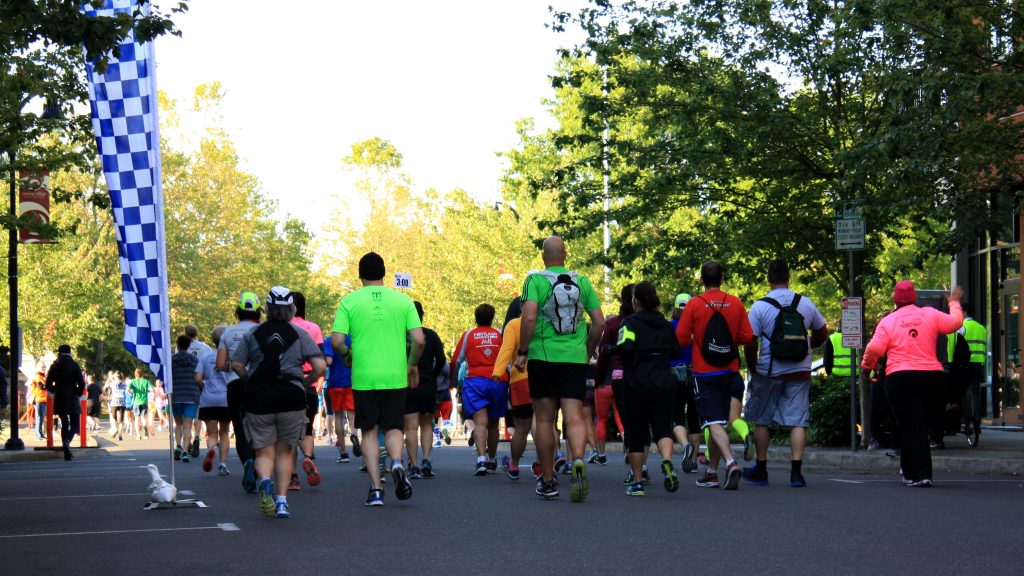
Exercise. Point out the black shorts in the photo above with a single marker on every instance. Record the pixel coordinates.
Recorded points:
(312, 408)
(218, 413)
(737, 389)
(713, 395)
(524, 412)
(421, 401)
(383, 408)
(684, 405)
(557, 380)
(94, 409)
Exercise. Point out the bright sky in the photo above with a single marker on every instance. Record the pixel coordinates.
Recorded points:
(443, 80)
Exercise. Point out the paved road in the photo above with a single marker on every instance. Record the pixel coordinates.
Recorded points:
(58, 516)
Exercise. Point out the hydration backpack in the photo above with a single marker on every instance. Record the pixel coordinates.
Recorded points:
(718, 347)
(267, 390)
(562, 310)
(789, 335)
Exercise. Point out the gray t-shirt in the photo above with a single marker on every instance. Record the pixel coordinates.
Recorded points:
(215, 386)
(762, 320)
(197, 348)
(230, 340)
(292, 359)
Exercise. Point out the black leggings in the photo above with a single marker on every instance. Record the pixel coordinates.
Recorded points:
(68, 427)
(910, 394)
(647, 416)
(245, 452)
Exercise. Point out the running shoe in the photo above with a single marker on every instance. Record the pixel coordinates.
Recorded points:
(708, 480)
(629, 478)
(222, 470)
(403, 488)
(492, 467)
(446, 437)
(343, 458)
(796, 480)
(194, 450)
(375, 498)
(177, 451)
(560, 461)
(671, 480)
(732, 477)
(925, 483)
(362, 466)
(593, 457)
(511, 471)
(312, 473)
(602, 459)
(748, 448)
(752, 475)
(294, 483)
(208, 460)
(645, 476)
(547, 490)
(426, 469)
(266, 505)
(357, 451)
(687, 464)
(481, 468)
(249, 476)
(635, 489)
(414, 472)
(437, 442)
(185, 457)
(281, 509)
(579, 487)
(471, 439)
(535, 468)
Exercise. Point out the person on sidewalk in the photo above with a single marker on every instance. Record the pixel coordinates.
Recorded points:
(647, 346)
(779, 361)
(716, 324)
(274, 395)
(380, 320)
(556, 344)
(483, 399)
(907, 338)
(65, 382)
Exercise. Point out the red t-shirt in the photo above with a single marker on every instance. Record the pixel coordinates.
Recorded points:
(479, 347)
(695, 319)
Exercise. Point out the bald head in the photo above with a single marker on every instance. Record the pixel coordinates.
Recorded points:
(553, 251)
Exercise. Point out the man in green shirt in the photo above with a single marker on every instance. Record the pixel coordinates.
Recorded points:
(380, 321)
(139, 388)
(554, 339)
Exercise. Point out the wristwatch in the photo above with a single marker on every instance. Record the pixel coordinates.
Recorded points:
(524, 352)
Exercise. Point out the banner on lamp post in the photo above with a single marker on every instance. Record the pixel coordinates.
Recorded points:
(34, 204)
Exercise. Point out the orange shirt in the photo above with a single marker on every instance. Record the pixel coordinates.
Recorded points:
(39, 389)
(507, 354)
(695, 319)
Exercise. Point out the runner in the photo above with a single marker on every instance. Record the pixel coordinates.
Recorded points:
(378, 319)
(421, 403)
(338, 388)
(443, 414)
(647, 345)
(555, 343)
(248, 314)
(196, 348)
(213, 407)
(609, 392)
(483, 399)
(117, 389)
(312, 398)
(718, 325)
(519, 388)
(139, 390)
(685, 421)
(184, 397)
(274, 395)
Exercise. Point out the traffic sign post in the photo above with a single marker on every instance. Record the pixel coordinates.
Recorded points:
(851, 324)
(850, 227)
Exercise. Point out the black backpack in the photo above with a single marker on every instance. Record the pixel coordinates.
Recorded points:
(789, 335)
(267, 391)
(718, 347)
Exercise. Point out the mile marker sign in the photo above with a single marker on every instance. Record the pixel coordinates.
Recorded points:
(403, 280)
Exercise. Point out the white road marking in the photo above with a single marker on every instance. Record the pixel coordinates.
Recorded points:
(846, 481)
(61, 497)
(222, 527)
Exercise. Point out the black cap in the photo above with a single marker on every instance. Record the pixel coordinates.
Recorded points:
(371, 267)
(64, 349)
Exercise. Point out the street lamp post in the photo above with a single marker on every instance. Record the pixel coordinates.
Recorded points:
(14, 442)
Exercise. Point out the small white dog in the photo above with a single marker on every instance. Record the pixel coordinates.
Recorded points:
(161, 490)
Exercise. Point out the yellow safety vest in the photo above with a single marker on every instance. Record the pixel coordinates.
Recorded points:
(842, 357)
(977, 339)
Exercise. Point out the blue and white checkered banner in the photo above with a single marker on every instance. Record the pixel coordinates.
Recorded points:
(124, 119)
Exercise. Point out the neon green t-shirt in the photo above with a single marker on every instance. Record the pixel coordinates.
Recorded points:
(378, 319)
(546, 343)
(140, 391)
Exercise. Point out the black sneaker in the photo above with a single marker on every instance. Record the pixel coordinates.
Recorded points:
(426, 469)
(481, 468)
(194, 450)
(602, 459)
(403, 488)
(375, 498)
(343, 458)
(748, 448)
(414, 473)
(492, 466)
(752, 475)
(671, 480)
(177, 453)
(547, 490)
(796, 480)
(357, 451)
(645, 476)
(732, 477)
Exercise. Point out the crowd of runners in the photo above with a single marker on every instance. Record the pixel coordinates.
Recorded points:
(381, 384)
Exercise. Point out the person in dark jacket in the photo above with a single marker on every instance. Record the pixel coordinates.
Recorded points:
(65, 381)
(647, 345)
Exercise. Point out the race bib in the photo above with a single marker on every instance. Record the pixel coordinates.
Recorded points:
(618, 374)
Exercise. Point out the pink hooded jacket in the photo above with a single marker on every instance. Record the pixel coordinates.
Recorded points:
(908, 335)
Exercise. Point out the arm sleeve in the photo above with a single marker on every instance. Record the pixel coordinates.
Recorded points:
(439, 359)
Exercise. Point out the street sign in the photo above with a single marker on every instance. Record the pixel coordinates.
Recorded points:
(850, 227)
(403, 280)
(851, 323)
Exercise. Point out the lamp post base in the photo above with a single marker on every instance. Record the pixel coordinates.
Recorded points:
(14, 444)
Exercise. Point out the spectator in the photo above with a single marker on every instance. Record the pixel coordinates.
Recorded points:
(64, 380)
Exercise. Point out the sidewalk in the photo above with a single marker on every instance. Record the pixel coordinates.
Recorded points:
(999, 452)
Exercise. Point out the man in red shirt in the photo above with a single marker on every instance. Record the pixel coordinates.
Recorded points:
(715, 364)
(483, 398)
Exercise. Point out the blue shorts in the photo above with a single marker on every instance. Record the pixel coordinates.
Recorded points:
(479, 393)
(783, 402)
(713, 394)
(185, 409)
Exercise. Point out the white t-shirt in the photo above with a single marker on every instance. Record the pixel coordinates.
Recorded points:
(762, 320)
(215, 385)
(230, 340)
(197, 348)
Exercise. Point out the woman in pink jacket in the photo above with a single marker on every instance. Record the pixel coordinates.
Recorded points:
(907, 337)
